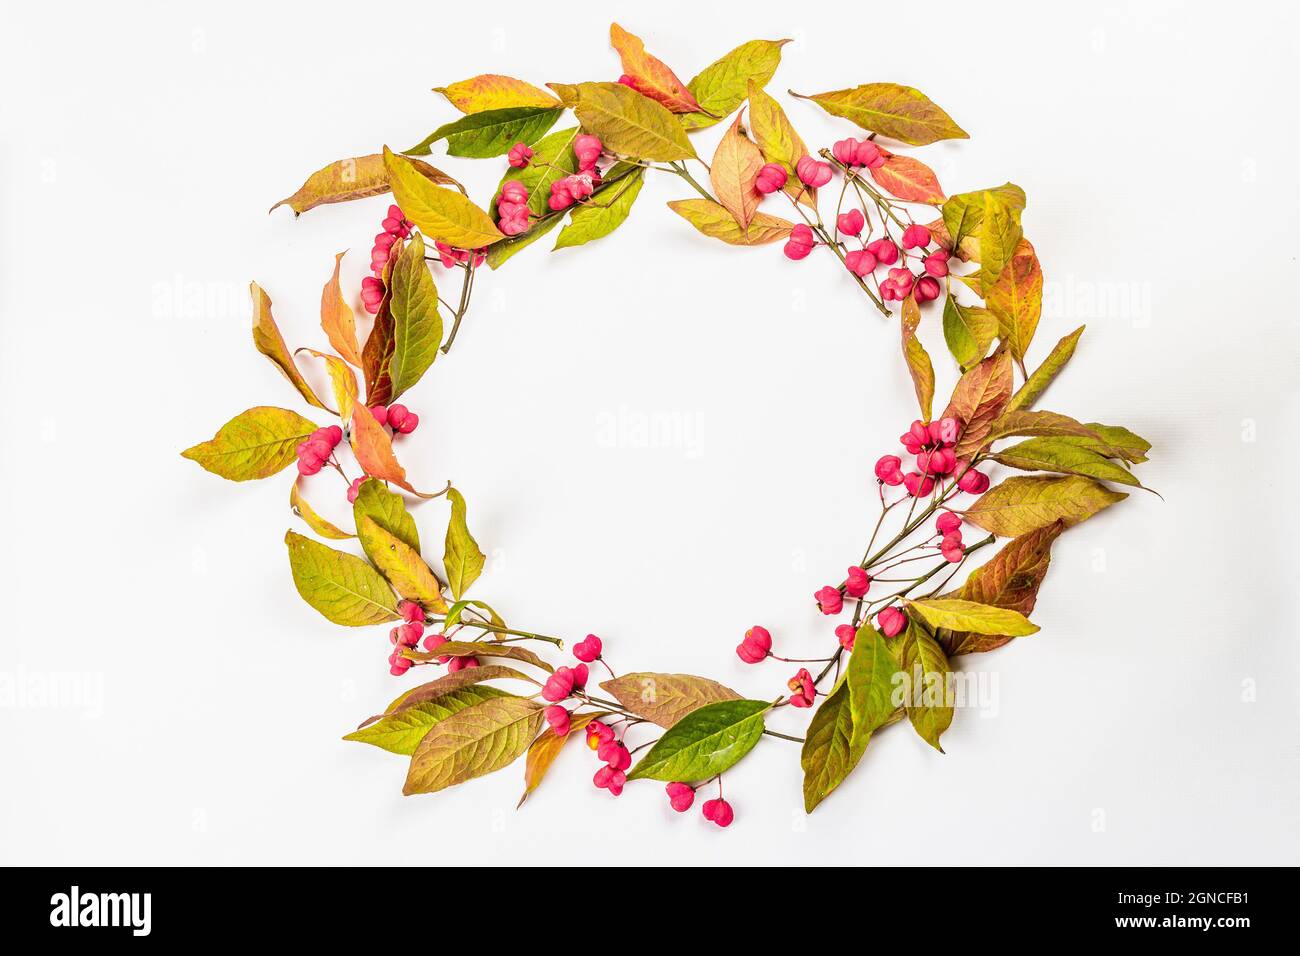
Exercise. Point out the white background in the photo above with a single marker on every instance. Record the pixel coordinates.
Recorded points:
(1152, 721)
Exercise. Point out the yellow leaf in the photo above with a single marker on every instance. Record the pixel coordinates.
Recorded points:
(356, 178)
(962, 615)
(918, 360)
(778, 141)
(303, 509)
(545, 749)
(338, 319)
(401, 565)
(492, 91)
(650, 76)
(343, 381)
(889, 109)
(269, 341)
(626, 122)
(735, 167)
(438, 212)
(1017, 299)
(472, 742)
(254, 444)
(342, 587)
(714, 220)
(1020, 505)
(463, 559)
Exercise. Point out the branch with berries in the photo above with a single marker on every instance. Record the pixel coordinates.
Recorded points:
(896, 235)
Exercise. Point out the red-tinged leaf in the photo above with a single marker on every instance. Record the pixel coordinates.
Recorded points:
(1016, 298)
(492, 91)
(269, 341)
(338, 319)
(377, 356)
(735, 167)
(898, 112)
(918, 360)
(909, 179)
(649, 75)
(373, 449)
(978, 400)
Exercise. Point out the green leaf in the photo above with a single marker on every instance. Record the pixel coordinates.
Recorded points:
(473, 742)
(417, 323)
(870, 679)
(345, 589)
(917, 358)
(1037, 383)
(723, 85)
(254, 444)
(627, 122)
(401, 733)
(1112, 441)
(1021, 505)
(491, 132)
(401, 565)
(439, 213)
(962, 615)
(501, 252)
(888, 109)
(1064, 457)
(552, 160)
(832, 747)
(665, 699)
(463, 559)
(929, 698)
(969, 331)
(602, 214)
(388, 510)
(705, 742)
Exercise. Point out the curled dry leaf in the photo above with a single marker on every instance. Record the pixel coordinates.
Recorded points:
(356, 178)
(343, 381)
(492, 91)
(269, 341)
(916, 357)
(546, 748)
(650, 76)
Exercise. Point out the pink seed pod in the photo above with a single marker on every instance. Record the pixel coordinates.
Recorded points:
(943, 461)
(846, 152)
(796, 251)
(846, 634)
(936, 264)
(514, 191)
(915, 236)
(945, 431)
(947, 523)
(868, 154)
(718, 811)
(886, 252)
(598, 733)
(372, 293)
(755, 646)
(609, 779)
(803, 693)
(813, 173)
(558, 686)
(918, 485)
(433, 642)
(513, 226)
(409, 423)
(333, 434)
(902, 280)
(399, 666)
(558, 719)
(355, 489)
(519, 155)
(588, 650)
(309, 465)
(850, 223)
(411, 612)
(829, 600)
(586, 149)
(771, 178)
(951, 548)
(380, 414)
(680, 796)
(856, 582)
(396, 415)
(973, 482)
(927, 289)
(615, 754)
(461, 664)
(860, 262)
(891, 621)
(888, 469)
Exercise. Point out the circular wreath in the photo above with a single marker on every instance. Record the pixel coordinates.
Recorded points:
(896, 235)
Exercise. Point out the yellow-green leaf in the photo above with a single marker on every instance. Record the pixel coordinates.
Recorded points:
(1017, 299)
(1020, 505)
(969, 331)
(269, 341)
(303, 509)
(962, 615)
(889, 109)
(779, 141)
(832, 747)
(417, 323)
(1036, 423)
(388, 510)
(491, 132)
(627, 122)
(1113, 441)
(715, 221)
(343, 381)
(492, 91)
(552, 160)
(401, 732)
(1064, 457)
(473, 742)
(870, 680)
(401, 565)
(439, 213)
(603, 212)
(463, 559)
(356, 178)
(723, 85)
(929, 697)
(342, 587)
(254, 444)
(917, 358)
(1037, 383)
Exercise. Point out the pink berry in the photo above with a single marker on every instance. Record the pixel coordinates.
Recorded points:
(399, 666)
(771, 178)
(803, 692)
(515, 192)
(756, 645)
(829, 600)
(372, 293)
(886, 252)
(813, 173)
(973, 482)
(309, 465)
(380, 414)
(558, 686)
(587, 150)
(888, 469)
(588, 650)
(435, 641)
(355, 489)
(396, 415)
(927, 289)
(915, 236)
(461, 664)
(936, 264)
(860, 262)
(598, 733)
(607, 778)
(411, 612)
(718, 811)
(856, 583)
(951, 547)
(850, 223)
(615, 754)
(558, 719)
(847, 634)
(918, 485)
(868, 154)
(902, 280)
(680, 796)
(519, 155)
(891, 621)
(409, 423)
(947, 523)
(845, 151)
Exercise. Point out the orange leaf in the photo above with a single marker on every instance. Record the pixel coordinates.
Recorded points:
(269, 341)
(735, 168)
(909, 179)
(374, 451)
(650, 76)
(1017, 299)
(918, 360)
(337, 318)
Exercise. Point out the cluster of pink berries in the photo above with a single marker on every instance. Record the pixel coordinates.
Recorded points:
(859, 152)
(316, 450)
(399, 418)
(395, 226)
(578, 186)
(450, 257)
(932, 445)
(512, 208)
(802, 690)
(454, 664)
(405, 636)
(613, 753)
(681, 796)
(565, 681)
(948, 525)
